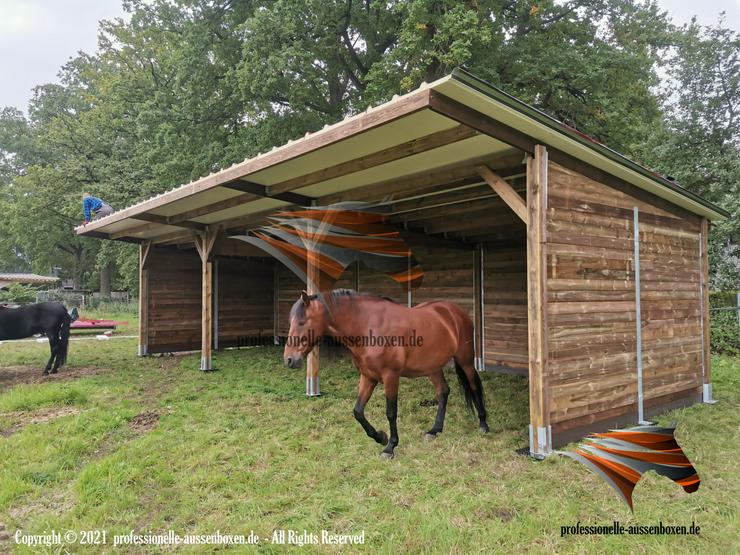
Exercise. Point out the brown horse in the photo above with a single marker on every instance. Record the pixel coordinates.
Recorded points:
(389, 341)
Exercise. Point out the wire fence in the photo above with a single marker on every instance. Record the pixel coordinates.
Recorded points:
(724, 308)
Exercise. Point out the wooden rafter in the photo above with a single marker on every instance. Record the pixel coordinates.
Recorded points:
(460, 112)
(214, 207)
(165, 220)
(404, 150)
(264, 191)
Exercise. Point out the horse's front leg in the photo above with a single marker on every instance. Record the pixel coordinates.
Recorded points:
(365, 391)
(443, 392)
(390, 384)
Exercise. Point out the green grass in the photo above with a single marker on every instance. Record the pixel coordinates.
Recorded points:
(242, 449)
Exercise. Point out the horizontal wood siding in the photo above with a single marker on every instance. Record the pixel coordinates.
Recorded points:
(289, 289)
(591, 299)
(245, 300)
(448, 276)
(174, 300)
(505, 335)
(377, 283)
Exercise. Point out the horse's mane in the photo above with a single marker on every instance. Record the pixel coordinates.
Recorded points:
(299, 307)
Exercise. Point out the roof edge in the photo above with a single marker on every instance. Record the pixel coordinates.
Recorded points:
(465, 77)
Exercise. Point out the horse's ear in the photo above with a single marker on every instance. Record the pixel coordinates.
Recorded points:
(305, 297)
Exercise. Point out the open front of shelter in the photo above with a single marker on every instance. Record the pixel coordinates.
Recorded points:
(581, 269)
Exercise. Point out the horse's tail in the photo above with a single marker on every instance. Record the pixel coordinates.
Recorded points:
(63, 340)
(467, 388)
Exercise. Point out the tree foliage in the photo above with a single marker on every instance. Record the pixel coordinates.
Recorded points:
(181, 88)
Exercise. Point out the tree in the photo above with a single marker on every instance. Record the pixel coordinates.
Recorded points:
(699, 142)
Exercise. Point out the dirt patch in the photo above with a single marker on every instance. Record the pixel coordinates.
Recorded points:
(21, 419)
(58, 503)
(145, 421)
(14, 375)
(501, 513)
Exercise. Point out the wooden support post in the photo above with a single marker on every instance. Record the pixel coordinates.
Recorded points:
(540, 436)
(204, 241)
(312, 362)
(478, 307)
(215, 305)
(144, 250)
(276, 303)
(505, 191)
(706, 355)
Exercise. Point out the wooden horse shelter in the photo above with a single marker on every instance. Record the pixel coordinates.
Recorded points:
(580, 268)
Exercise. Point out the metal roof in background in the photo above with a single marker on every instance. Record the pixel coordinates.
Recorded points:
(27, 278)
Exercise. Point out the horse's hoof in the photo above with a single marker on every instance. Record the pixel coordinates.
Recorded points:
(385, 455)
(53, 371)
(430, 436)
(45, 373)
(484, 429)
(383, 440)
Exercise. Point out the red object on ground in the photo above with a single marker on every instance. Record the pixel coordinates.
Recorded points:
(85, 324)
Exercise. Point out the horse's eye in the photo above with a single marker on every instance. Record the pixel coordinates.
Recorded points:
(301, 322)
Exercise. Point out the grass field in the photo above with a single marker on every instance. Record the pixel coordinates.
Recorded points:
(120, 443)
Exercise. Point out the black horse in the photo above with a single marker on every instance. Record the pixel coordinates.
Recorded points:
(51, 319)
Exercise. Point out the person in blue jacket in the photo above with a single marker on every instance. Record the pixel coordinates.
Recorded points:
(93, 208)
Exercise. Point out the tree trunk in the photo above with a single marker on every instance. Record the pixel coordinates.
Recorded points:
(106, 275)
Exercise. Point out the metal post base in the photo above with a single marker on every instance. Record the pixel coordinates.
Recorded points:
(312, 386)
(205, 364)
(707, 394)
(544, 440)
(143, 350)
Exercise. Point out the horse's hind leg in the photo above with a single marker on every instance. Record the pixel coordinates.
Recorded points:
(443, 392)
(390, 384)
(466, 362)
(54, 348)
(365, 391)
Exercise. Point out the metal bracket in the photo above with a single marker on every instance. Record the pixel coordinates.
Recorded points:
(205, 364)
(544, 438)
(143, 350)
(312, 386)
(707, 394)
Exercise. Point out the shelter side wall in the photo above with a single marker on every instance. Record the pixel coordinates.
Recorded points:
(245, 300)
(505, 330)
(592, 337)
(174, 300)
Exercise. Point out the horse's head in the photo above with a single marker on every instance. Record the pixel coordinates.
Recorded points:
(308, 319)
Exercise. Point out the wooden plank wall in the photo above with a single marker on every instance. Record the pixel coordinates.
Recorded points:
(448, 276)
(505, 301)
(591, 300)
(174, 300)
(245, 297)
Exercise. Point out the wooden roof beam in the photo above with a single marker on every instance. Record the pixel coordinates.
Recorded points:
(264, 191)
(133, 231)
(213, 207)
(409, 148)
(472, 118)
(505, 191)
(124, 239)
(165, 220)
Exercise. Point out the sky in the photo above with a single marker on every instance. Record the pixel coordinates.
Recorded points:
(37, 37)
